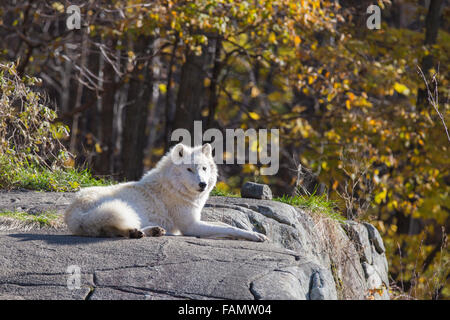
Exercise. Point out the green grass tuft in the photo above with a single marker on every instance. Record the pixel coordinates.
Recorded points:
(223, 193)
(15, 175)
(316, 204)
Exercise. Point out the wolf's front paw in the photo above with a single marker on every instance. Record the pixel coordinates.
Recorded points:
(259, 237)
(135, 234)
(155, 232)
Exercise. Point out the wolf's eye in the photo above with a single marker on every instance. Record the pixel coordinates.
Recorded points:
(204, 168)
(189, 169)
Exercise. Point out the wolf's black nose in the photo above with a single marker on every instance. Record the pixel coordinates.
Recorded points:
(202, 185)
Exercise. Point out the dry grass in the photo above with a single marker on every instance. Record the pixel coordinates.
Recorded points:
(339, 248)
(422, 286)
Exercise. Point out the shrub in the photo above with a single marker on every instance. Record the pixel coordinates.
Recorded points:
(27, 131)
(31, 153)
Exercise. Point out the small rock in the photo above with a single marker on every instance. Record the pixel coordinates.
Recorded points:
(256, 191)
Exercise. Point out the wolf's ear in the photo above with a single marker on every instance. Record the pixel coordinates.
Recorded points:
(178, 152)
(207, 150)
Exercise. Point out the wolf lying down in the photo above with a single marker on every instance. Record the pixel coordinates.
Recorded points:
(167, 200)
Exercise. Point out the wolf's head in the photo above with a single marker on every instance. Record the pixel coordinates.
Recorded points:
(193, 168)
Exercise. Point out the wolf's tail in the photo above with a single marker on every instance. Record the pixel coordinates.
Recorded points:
(111, 218)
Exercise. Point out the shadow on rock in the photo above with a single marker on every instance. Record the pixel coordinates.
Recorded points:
(60, 239)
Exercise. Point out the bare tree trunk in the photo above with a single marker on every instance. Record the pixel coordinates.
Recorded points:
(104, 165)
(79, 93)
(169, 112)
(191, 93)
(134, 136)
(432, 23)
(90, 118)
(213, 97)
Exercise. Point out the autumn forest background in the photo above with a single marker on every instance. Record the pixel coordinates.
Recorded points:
(362, 113)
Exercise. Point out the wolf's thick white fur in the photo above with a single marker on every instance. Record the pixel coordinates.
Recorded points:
(167, 198)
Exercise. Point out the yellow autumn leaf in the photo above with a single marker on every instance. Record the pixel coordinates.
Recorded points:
(347, 104)
(381, 196)
(272, 37)
(255, 92)
(401, 88)
(392, 205)
(297, 40)
(351, 96)
(98, 148)
(335, 185)
(254, 115)
(58, 6)
(163, 88)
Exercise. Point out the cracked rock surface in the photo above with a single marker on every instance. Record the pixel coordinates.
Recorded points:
(35, 266)
(50, 263)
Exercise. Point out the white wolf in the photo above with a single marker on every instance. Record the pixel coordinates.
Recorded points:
(170, 197)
